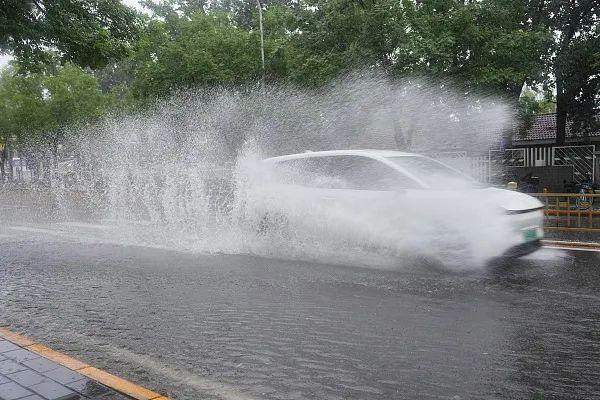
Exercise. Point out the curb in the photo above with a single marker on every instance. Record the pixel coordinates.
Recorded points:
(571, 245)
(113, 382)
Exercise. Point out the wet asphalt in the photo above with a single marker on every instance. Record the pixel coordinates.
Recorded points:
(217, 326)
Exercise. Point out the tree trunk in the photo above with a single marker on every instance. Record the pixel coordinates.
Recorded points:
(10, 165)
(53, 162)
(562, 105)
(563, 96)
(403, 137)
(2, 163)
(55, 152)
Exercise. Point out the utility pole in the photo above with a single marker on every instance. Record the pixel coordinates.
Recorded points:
(262, 43)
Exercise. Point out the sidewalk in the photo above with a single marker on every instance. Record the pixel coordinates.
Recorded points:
(591, 237)
(30, 371)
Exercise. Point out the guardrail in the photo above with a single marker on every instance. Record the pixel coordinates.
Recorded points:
(579, 212)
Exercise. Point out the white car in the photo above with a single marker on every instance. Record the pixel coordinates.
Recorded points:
(391, 197)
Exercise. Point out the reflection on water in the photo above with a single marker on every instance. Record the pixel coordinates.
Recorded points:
(217, 326)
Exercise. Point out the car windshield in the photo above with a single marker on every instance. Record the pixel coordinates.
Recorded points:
(342, 172)
(434, 174)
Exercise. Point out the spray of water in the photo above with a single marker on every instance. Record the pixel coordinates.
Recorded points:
(186, 173)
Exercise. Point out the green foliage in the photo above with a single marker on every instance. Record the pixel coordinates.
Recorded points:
(578, 68)
(85, 32)
(574, 62)
(482, 44)
(531, 104)
(196, 51)
(22, 105)
(41, 106)
(167, 9)
(72, 97)
(492, 45)
(334, 37)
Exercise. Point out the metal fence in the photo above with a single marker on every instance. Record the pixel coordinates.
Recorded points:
(495, 166)
(478, 166)
(571, 212)
(508, 157)
(580, 157)
(501, 160)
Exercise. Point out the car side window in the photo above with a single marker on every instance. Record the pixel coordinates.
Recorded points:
(289, 171)
(364, 173)
(342, 172)
(310, 172)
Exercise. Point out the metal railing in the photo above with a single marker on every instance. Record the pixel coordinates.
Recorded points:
(580, 157)
(578, 212)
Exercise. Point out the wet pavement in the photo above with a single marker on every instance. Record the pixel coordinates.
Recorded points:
(25, 375)
(198, 326)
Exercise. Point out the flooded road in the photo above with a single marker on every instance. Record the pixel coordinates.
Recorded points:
(218, 326)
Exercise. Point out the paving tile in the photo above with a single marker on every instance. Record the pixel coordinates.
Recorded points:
(63, 375)
(3, 379)
(27, 378)
(20, 355)
(41, 364)
(88, 388)
(60, 358)
(54, 391)
(17, 339)
(9, 366)
(2, 357)
(12, 391)
(111, 396)
(5, 346)
(32, 397)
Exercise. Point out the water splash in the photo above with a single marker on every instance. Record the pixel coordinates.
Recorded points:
(181, 174)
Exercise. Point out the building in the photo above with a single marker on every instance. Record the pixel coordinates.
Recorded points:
(557, 167)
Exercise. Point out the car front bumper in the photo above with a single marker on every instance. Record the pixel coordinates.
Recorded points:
(522, 249)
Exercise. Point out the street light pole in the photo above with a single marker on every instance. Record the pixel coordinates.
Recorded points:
(262, 42)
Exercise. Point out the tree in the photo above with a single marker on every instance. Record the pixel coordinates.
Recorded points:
(71, 97)
(85, 32)
(575, 61)
(22, 110)
(241, 11)
(174, 8)
(325, 39)
(483, 44)
(36, 110)
(530, 105)
(199, 50)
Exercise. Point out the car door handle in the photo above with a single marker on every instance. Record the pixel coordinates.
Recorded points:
(328, 198)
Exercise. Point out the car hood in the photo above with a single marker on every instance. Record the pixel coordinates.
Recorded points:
(511, 200)
(507, 200)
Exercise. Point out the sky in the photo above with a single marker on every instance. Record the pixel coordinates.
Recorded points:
(132, 3)
(4, 59)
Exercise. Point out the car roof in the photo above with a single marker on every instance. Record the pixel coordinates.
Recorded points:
(365, 152)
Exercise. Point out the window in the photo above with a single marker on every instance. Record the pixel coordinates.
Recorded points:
(343, 172)
(364, 173)
(310, 171)
(433, 173)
